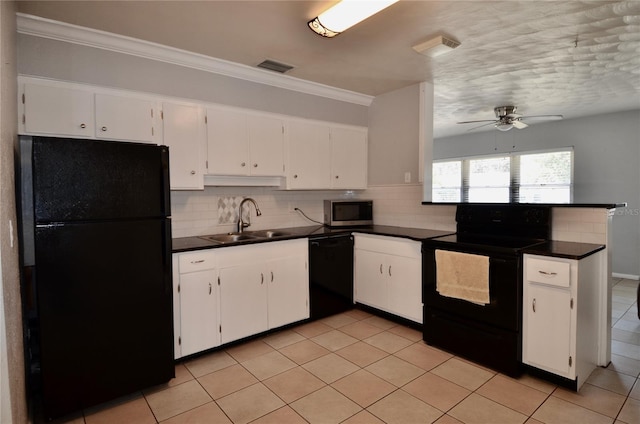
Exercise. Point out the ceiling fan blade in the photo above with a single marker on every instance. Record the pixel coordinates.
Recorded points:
(473, 122)
(547, 117)
(480, 126)
(519, 124)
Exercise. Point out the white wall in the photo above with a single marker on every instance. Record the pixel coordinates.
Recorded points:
(607, 170)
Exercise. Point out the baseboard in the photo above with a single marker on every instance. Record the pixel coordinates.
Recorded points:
(627, 276)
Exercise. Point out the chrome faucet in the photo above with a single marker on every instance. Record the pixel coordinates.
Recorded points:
(241, 225)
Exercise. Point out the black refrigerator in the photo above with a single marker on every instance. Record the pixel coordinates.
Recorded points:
(96, 256)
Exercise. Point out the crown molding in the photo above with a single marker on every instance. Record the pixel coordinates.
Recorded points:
(62, 31)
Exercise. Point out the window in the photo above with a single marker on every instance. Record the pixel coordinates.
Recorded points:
(532, 177)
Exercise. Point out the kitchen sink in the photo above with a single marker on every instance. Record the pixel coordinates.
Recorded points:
(229, 238)
(269, 233)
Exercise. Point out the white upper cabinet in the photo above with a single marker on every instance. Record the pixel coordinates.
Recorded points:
(325, 156)
(184, 133)
(266, 146)
(309, 165)
(54, 110)
(244, 144)
(126, 118)
(348, 158)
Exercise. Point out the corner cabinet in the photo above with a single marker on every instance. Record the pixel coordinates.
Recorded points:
(195, 302)
(326, 156)
(560, 315)
(388, 275)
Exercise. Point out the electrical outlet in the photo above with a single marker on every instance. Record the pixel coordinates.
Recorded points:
(407, 177)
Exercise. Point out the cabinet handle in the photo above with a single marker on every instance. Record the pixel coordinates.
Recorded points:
(193, 172)
(389, 270)
(83, 126)
(104, 128)
(550, 274)
(255, 165)
(209, 288)
(534, 305)
(272, 276)
(261, 278)
(380, 268)
(337, 176)
(243, 164)
(295, 176)
(199, 261)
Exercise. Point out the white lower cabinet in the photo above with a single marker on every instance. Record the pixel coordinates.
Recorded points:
(262, 286)
(388, 275)
(226, 294)
(195, 298)
(560, 315)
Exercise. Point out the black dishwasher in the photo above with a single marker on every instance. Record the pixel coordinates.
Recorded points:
(330, 274)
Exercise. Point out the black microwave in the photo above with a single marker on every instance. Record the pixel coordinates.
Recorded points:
(348, 213)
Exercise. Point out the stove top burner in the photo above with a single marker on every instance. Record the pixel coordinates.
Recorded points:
(481, 241)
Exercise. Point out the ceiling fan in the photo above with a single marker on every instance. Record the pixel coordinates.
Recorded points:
(507, 118)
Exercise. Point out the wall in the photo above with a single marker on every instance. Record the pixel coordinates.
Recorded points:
(71, 62)
(13, 407)
(606, 158)
(394, 125)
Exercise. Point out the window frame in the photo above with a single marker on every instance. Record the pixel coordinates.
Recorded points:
(514, 169)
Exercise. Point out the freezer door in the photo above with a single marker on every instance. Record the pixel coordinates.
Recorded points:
(105, 311)
(86, 180)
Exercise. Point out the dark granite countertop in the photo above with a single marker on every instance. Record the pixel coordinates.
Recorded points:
(184, 244)
(555, 205)
(564, 249)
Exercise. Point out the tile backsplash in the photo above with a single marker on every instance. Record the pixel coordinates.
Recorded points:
(214, 209)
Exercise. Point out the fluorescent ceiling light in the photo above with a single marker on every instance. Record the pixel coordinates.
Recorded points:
(346, 14)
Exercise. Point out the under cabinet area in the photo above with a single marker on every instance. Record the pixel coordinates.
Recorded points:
(226, 294)
(561, 315)
(388, 275)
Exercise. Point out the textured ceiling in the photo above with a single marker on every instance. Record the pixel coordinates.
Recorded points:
(575, 58)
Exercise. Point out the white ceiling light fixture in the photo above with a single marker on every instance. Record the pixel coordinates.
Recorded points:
(346, 14)
(436, 46)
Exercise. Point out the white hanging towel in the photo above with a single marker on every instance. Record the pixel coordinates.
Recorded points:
(463, 276)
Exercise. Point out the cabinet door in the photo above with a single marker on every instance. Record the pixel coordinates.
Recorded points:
(60, 111)
(547, 328)
(309, 156)
(288, 290)
(198, 312)
(266, 146)
(348, 158)
(243, 301)
(125, 118)
(183, 131)
(405, 287)
(227, 142)
(370, 278)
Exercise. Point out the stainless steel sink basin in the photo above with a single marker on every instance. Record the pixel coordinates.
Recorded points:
(269, 233)
(229, 238)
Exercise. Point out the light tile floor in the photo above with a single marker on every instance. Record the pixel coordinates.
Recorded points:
(358, 368)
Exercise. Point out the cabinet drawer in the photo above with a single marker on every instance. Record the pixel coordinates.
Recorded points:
(390, 245)
(196, 261)
(553, 273)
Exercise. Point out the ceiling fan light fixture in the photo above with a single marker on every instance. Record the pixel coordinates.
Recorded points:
(503, 126)
(346, 14)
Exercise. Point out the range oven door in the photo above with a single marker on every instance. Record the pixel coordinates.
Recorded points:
(488, 334)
